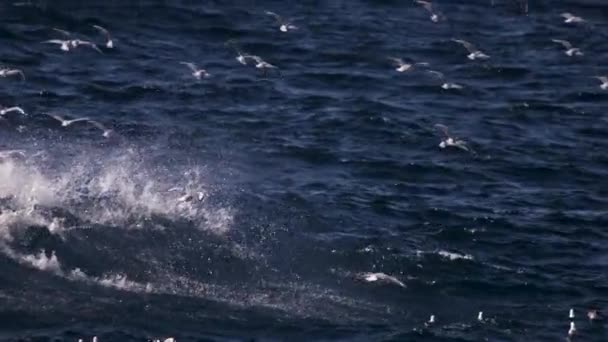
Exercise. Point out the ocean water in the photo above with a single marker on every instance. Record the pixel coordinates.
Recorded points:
(310, 178)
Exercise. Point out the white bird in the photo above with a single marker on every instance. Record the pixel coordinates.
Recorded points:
(106, 132)
(170, 339)
(7, 110)
(445, 85)
(241, 57)
(373, 277)
(106, 33)
(569, 18)
(594, 315)
(67, 122)
(571, 313)
(429, 7)
(570, 50)
(572, 330)
(604, 81)
(431, 321)
(196, 72)
(94, 338)
(449, 141)
(480, 316)
(64, 44)
(474, 53)
(67, 45)
(190, 197)
(262, 65)
(5, 72)
(402, 66)
(284, 24)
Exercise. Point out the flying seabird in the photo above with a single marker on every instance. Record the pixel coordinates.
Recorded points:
(67, 45)
(570, 50)
(67, 122)
(196, 72)
(572, 330)
(604, 81)
(383, 277)
(263, 65)
(5, 72)
(474, 53)
(429, 7)
(106, 33)
(284, 25)
(402, 66)
(444, 85)
(241, 57)
(449, 141)
(569, 18)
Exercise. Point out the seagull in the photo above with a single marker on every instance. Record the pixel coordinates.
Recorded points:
(262, 65)
(429, 7)
(7, 110)
(572, 330)
(196, 72)
(474, 53)
(67, 45)
(373, 277)
(604, 81)
(450, 141)
(570, 50)
(445, 85)
(571, 313)
(190, 197)
(5, 72)
(64, 44)
(63, 32)
(241, 57)
(594, 315)
(66, 122)
(285, 25)
(403, 66)
(106, 132)
(109, 42)
(431, 321)
(569, 18)
(480, 316)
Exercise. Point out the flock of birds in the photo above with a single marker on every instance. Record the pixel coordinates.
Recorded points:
(70, 42)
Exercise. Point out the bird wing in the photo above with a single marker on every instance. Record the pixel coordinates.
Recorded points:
(277, 17)
(427, 5)
(77, 120)
(436, 73)
(14, 109)
(102, 30)
(56, 117)
(603, 79)
(564, 43)
(443, 129)
(15, 72)
(55, 41)
(258, 59)
(466, 45)
(91, 44)
(567, 15)
(397, 61)
(63, 32)
(97, 124)
(190, 65)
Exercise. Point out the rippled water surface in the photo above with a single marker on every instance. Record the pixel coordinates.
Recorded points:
(309, 178)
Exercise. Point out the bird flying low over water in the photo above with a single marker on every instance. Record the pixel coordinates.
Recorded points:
(570, 50)
(106, 33)
(474, 53)
(5, 72)
(285, 25)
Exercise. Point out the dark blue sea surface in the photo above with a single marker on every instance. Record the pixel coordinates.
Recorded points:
(310, 178)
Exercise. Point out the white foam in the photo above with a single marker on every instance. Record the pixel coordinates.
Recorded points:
(121, 190)
(43, 262)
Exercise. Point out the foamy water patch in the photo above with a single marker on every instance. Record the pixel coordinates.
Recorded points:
(120, 190)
